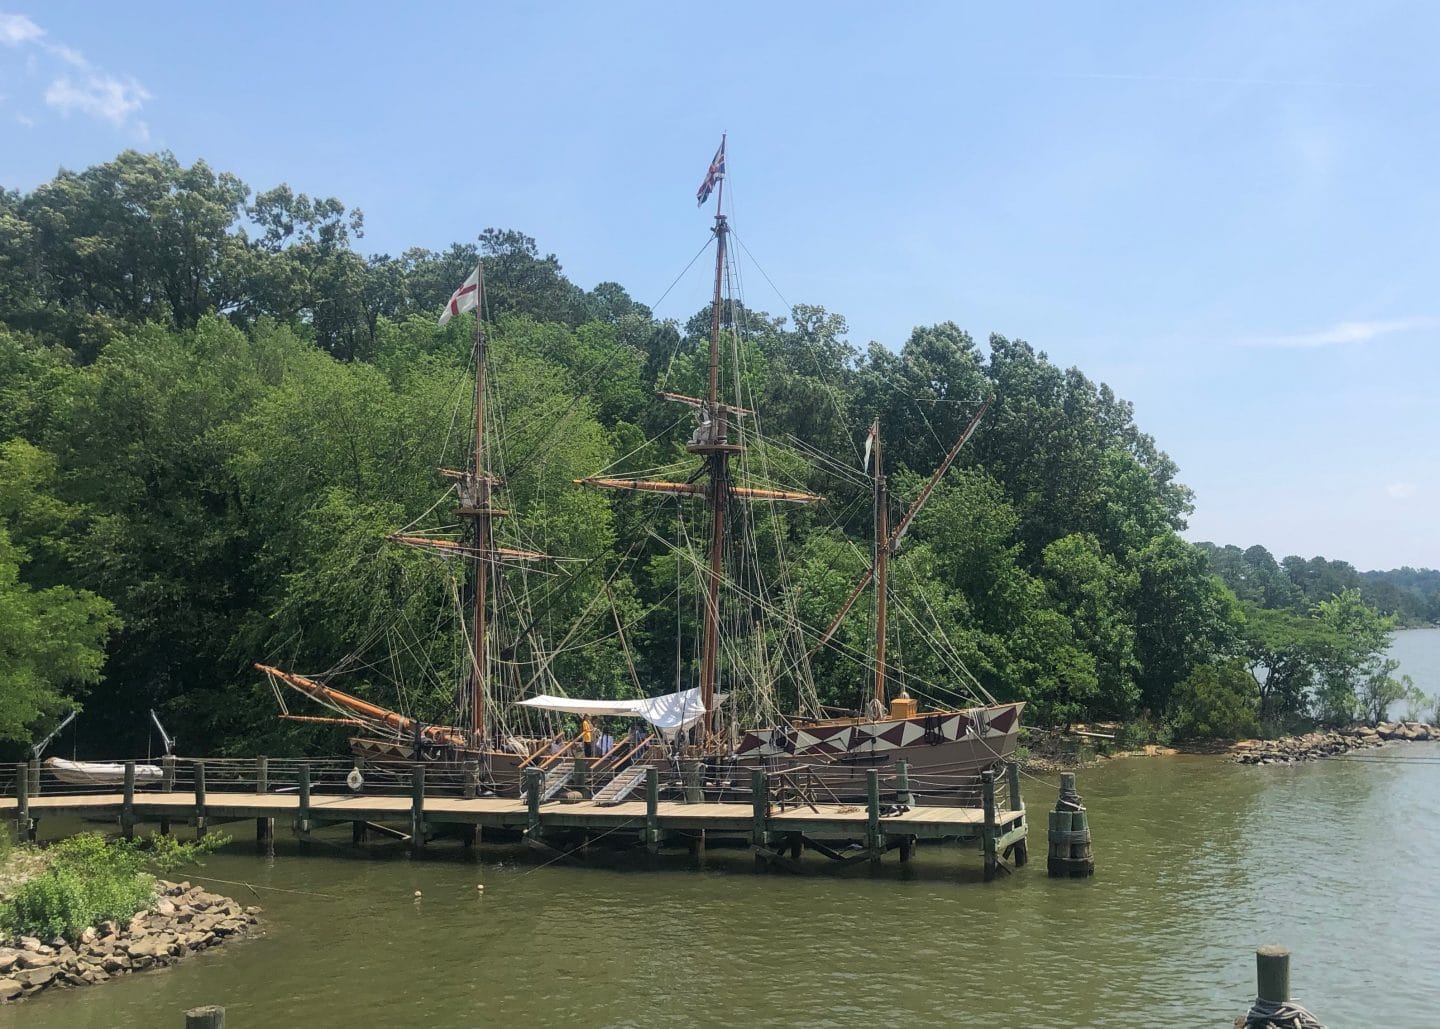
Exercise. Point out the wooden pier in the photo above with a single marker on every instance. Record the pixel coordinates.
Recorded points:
(771, 816)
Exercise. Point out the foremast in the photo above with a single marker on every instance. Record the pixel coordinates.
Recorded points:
(476, 492)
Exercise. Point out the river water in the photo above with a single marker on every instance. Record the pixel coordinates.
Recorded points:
(1199, 860)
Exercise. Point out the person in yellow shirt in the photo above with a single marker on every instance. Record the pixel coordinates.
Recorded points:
(587, 737)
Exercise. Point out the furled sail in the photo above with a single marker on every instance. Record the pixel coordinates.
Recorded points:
(668, 714)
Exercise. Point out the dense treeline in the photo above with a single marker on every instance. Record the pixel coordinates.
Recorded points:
(213, 408)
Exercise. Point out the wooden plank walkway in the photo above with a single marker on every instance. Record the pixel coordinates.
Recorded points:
(767, 817)
(502, 812)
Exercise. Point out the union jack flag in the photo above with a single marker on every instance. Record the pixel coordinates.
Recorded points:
(714, 175)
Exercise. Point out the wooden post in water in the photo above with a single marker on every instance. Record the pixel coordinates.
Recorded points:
(211, 1016)
(302, 812)
(167, 785)
(22, 803)
(652, 809)
(472, 779)
(127, 803)
(264, 827)
(1070, 853)
(534, 780)
(694, 781)
(199, 798)
(874, 841)
(1272, 974)
(417, 807)
(760, 811)
(581, 777)
(1020, 850)
(990, 831)
(902, 783)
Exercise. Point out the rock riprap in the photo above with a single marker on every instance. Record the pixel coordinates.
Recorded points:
(1290, 749)
(184, 919)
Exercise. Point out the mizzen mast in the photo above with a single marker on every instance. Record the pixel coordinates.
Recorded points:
(881, 562)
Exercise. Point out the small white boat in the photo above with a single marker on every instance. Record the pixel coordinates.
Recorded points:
(100, 773)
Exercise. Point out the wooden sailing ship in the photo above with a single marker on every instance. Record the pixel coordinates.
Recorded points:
(949, 745)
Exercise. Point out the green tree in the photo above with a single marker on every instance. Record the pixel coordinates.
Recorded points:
(1216, 701)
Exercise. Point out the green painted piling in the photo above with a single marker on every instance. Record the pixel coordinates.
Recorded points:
(127, 803)
(199, 799)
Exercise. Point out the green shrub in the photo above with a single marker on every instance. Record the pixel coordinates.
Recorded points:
(87, 881)
(1217, 702)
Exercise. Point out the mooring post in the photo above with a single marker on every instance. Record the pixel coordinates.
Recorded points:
(534, 778)
(302, 812)
(1272, 974)
(127, 803)
(1070, 853)
(989, 832)
(472, 780)
(417, 807)
(874, 841)
(23, 829)
(199, 798)
(167, 785)
(211, 1016)
(34, 773)
(1012, 776)
(652, 809)
(693, 772)
(264, 827)
(902, 783)
(760, 811)
(580, 778)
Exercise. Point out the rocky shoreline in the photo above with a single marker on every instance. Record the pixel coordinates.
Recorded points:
(183, 919)
(1310, 746)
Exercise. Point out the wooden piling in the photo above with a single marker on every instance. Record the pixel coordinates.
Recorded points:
(167, 785)
(24, 830)
(472, 780)
(1272, 974)
(262, 774)
(211, 1016)
(534, 780)
(760, 814)
(1012, 778)
(35, 780)
(302, 813)
(1070, 854)
(199, 798)
(874, 839)
(417, 807)
(902, 783)
(694, 771)
(359, 831)
(127, 803)
(652, 809)
(990, 831)
(581, 777)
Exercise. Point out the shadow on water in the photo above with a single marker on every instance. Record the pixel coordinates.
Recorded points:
(1198, 861)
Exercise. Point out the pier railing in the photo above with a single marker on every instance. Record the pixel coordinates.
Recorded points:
(679, 778)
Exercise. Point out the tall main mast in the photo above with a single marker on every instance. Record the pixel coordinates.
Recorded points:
(715, 444)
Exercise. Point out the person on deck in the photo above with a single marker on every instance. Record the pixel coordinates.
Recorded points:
(605, 744)
(587, 736)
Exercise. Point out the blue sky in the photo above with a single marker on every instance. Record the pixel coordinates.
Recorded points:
(1227, 212)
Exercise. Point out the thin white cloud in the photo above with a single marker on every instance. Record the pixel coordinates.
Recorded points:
(99, 95)
(78, 87)
(1401, 490)
(16, 29)
(1343, 332)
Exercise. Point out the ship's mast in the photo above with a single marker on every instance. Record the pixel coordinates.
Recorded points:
(716, 445)
(882, 558)
(475, 508)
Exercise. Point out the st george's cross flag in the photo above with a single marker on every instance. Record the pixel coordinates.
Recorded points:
(713, 176)
(466, 298)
